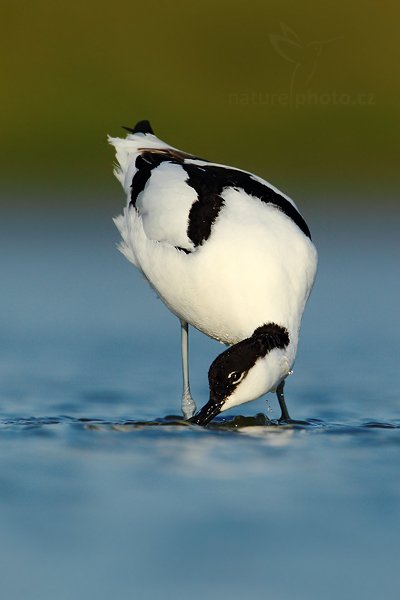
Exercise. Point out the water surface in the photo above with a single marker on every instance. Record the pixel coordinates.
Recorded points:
(106, 492)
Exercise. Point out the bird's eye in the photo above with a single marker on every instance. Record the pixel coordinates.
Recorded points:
(235, 376)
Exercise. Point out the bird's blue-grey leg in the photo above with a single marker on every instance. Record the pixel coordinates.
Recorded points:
(281, 398)
(188, 404)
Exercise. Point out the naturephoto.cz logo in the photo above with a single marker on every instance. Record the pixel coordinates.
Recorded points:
(304, 58)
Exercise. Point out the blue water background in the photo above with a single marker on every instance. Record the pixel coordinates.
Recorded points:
(93, 505)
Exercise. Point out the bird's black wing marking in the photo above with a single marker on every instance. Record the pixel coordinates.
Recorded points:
(205, 210)
(140, 178)
(209, 181)
(145, 164)
(270, 196)
(150, 159)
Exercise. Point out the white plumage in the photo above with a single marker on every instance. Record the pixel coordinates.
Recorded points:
(228, 254)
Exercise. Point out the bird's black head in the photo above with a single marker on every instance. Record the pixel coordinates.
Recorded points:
(231, 367)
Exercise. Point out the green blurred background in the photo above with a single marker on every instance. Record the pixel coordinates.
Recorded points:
(305, 94)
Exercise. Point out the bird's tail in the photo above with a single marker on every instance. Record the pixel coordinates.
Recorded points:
(139, 139)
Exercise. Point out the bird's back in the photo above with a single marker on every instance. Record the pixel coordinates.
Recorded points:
(224, 249)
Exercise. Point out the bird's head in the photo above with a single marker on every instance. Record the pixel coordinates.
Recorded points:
(245, 371)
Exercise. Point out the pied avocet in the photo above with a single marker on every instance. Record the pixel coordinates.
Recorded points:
(228, 253)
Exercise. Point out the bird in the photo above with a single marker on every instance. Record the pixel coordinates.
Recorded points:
(228, 253)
